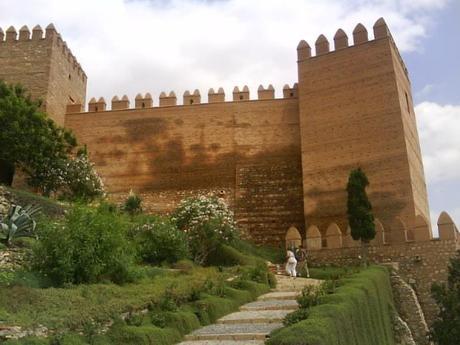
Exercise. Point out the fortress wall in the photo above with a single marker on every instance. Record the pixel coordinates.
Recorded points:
(44, 66)
(417, 176)
(420, 264)
(420, 259)
(350, 117)
(25, 62)
(247, 151)
(67, 81)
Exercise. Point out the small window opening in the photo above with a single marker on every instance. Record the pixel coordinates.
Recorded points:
(143, 105)
(70, 77)
(95, 108)
(241, 97)
(292, 94)
(407, 103)
(191, 101)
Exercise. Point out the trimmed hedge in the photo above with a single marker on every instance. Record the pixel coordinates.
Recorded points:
(359, 313)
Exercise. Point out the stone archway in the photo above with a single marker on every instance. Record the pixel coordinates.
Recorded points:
(293, 239)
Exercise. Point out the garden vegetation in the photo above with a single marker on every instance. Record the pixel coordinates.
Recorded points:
(94, 266)
(358, 311)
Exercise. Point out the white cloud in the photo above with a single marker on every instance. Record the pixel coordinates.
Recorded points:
(439, 129)
(139, 46)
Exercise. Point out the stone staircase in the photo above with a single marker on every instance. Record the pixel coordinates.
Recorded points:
(254, 322)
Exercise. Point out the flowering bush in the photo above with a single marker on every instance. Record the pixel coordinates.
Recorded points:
(207, 222)
(160, 241)
(81, 181)
(74, 178)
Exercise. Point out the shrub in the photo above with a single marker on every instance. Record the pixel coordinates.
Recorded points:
(80, 179)
(133, 204)
(207, 222)
(88, 246)
(445, 330)
(183, 321)
(68, 339)
(159, 241)
(296, 316)
(310, 296)
(258, 273)
(144, 335)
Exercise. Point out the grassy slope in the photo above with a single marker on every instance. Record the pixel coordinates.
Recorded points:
(49, 206)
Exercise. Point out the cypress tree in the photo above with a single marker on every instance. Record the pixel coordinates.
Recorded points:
(359, 210)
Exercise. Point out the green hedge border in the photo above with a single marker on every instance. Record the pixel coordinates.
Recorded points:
(359, 312)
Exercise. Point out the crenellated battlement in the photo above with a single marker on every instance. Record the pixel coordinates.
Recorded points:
(333, 237)
(341, 41)
(189, 98)
(49, 36)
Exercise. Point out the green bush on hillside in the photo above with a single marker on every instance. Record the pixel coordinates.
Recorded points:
(160, 241)
(133, 204)
(88, 246)
(445, 329)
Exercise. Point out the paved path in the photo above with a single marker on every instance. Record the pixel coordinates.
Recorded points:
(254, 322)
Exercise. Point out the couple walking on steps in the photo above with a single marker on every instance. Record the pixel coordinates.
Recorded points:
(292, 259)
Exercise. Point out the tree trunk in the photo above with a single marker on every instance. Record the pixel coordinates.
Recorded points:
(364, 253)
(6, 172)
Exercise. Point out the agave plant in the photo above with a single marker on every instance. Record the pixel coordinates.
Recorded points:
(19, 222)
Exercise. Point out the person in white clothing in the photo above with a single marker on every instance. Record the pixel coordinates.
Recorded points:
(291, 264)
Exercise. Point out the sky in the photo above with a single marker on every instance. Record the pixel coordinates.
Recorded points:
(138, 46)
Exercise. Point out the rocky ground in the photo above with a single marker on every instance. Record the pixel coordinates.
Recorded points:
(5, 198)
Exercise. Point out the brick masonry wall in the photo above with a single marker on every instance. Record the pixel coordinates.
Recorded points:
(350, 116)
(46, 68)
(28, 63)
(248, 152)
(67, 82)
(420, 263)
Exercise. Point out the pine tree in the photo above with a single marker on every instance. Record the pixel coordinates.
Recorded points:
(359, 210)
(446, 329)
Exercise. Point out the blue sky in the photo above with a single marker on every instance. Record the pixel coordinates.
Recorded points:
(435, 68)
(127, 47)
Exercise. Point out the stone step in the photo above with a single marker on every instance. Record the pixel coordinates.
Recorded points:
(257, 316)
(279, 295)
(223, 342)
(287, 304)
(285, 283)
(238, 331)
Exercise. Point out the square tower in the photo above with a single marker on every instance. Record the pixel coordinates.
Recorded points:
(355, 109)
(45, 66)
